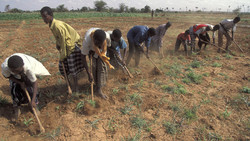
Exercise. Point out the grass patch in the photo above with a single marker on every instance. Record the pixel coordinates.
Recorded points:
(171, 128)
(136, 99)
(178, 89)
(215, 64)
(126, 110)
(246, 90)
(192, 77)
(53, 134)
(195, 64)
(139, 122)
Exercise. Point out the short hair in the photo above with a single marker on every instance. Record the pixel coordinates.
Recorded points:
(236, 19)
(168, 24)
(15, 62)
(99, 36)
(117, 33)
(216, 27)
(151, 31)
(187, 32)
(46, 9)
(208, 28)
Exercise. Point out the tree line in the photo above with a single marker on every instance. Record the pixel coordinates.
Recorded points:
(99, 6)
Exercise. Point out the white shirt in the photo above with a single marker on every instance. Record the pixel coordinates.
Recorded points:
(87, 43)
(228, 24)
(32, 68)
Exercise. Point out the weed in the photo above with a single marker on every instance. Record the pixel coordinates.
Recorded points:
(225, 76)
(206, 74)
(226, 113)
(126, 110)
(171, 128)
(112, 125)
(115, 91)
(139, 84)
(195, 64)
(214, 136)
(92, 103)
(3, 100)
(179, 89)
(28, 122)
(53, 134)
(57, 107)
(139, 122)
(136, 99)
(217, 58)
(242, 55)
(215, 64)
(79, 106)
(246, 90)
(192, 77)
(136, 137)
(228, 56)
(174, 70)
(93, 124)
(190, 114)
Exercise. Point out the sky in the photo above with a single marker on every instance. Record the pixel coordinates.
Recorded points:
(173, 5)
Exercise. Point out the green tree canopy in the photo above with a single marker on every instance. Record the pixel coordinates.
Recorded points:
(100, 5)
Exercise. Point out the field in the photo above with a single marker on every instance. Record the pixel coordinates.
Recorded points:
(199, 97)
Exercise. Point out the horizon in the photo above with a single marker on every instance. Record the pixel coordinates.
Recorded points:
(182, 5)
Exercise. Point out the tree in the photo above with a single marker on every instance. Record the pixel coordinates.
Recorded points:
(100, 5)
(122, 7)
(132, 10)
(147, 9)
(237, 10)
(7, 8)
(84, 9)
(61, 8)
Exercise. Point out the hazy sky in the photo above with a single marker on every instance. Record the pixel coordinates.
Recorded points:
(209, 5)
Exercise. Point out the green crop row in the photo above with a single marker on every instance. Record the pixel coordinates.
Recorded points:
(63, 15)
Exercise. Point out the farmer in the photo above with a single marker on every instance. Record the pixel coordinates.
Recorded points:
(184, 39)
(117, 43)
(95, 45)
(225, 26)
(205, 39)
(21, 70)
(68, 44)
(195, 31)
(136, 36)
(156, 40)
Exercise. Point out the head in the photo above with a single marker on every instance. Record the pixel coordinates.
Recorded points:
(208, 28)
(168, 24)
(216, 27)
(236, 19)
(15, 64)
(116, 35)
(99, 37)
(47, 14)
(187, 32)
(151, 32)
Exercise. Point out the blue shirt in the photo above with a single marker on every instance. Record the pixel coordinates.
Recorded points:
(138, 34)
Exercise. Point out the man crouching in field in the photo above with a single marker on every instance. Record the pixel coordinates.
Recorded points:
(21, 70)
(68, 44)
(183, 38)
(95, 45)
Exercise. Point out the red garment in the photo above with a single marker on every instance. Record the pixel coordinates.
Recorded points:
(197, 27)
(184, 37)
